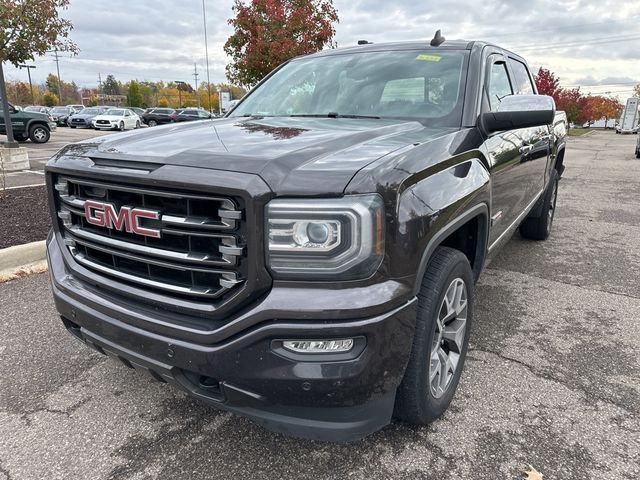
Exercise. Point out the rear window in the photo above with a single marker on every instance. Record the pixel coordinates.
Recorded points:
(522, 80)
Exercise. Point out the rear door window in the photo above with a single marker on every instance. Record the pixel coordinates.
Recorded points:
(521, 78)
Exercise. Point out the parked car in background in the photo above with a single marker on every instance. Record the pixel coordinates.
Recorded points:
(60, 115)
(137, 111)
(34, 126)
(157, 116)
(116, 119)
(189, 114)
(76, 108)
(83, 118)
(37, 108)
(638, 147)
(630, 119)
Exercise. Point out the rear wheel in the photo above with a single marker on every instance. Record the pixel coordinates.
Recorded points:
(39, 134)
(441, 338)
(137, 124)
(539, 228)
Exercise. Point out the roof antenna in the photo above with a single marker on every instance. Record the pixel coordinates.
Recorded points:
(438, 39)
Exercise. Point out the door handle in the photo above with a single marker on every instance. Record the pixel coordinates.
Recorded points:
(524, 149)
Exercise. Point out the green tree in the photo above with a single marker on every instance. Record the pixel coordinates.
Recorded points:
(270, 32)
(110, 86)
(134, 97)
(29, 28)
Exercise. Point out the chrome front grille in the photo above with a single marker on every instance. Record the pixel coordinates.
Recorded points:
(199, 252)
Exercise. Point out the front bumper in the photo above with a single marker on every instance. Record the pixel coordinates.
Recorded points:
(343, 398)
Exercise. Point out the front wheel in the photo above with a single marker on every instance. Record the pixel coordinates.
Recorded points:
(121, 126)
(152, 123)
(539, 228)
(137, 124)
(39, 134)
(441, 338)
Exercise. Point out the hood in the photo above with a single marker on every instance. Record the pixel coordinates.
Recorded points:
(85, 116)
(293, 155)
(108, 117)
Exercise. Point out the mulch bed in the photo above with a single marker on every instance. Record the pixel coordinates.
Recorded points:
(24, 216)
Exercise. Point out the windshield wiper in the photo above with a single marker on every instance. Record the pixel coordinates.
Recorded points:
(332, 115)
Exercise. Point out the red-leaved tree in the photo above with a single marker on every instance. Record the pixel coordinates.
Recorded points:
(270, 32)
(548, 84)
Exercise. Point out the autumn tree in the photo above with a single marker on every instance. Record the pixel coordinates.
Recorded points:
(29, 28)
(50, 99)
(575, 105)
(603, 107)
(636, 90)
(270, 32)
(547, 83)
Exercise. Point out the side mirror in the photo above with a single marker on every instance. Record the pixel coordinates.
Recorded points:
(519, 111)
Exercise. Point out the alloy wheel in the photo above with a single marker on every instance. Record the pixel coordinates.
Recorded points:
(448, 338)
(39, 134)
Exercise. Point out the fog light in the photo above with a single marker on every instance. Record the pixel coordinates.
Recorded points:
(319, 346)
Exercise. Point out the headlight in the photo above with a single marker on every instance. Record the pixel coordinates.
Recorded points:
(321, 238)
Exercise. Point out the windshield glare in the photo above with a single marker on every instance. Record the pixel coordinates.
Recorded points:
(91, 111)
(60, 110)
(115, 112)
(423, 85)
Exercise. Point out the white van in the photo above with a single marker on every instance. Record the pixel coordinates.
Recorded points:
(628, 122)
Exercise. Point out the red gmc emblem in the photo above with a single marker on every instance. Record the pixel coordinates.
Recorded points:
(128, 219)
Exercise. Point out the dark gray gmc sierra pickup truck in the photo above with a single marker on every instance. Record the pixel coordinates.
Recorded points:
(309, 260)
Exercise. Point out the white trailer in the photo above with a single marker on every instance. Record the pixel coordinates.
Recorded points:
(628, 122)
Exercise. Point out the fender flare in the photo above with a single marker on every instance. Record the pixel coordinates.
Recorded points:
(480, 210)
(36, 121)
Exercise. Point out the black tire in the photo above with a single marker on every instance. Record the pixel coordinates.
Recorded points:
(72, 126)
(20, 137)
(539, 228)
(121, 127)
(415, 400)
(637, 152)
(137, 124)
(39, 134)
(152, 123)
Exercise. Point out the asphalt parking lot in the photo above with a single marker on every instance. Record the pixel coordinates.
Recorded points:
(552, 378)
(40, 153)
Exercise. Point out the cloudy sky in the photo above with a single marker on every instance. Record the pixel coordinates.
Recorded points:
(591, 43)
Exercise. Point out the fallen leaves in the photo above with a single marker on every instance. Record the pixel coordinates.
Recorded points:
(532, 474)
(37, 267)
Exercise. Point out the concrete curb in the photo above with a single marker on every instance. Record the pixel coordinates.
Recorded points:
(12, 258)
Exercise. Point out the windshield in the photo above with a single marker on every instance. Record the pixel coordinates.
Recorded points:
(60, 110)
(92, 111)
(116, 112)
(422, 85)
(33, 109)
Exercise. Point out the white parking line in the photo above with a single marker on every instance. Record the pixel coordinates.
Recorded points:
(25, 186)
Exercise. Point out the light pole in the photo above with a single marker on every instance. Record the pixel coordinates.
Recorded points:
(29, 67)
(10, 143)
(220, 101)
(206, 52)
